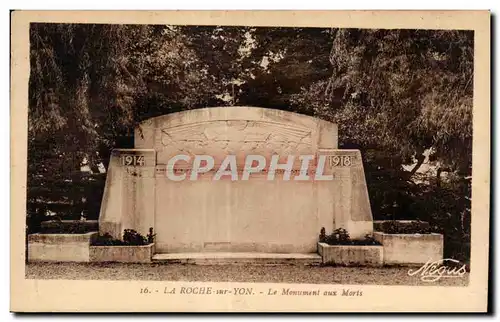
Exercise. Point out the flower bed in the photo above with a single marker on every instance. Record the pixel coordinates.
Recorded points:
(134, 248)
(339, 249)
(93, 247)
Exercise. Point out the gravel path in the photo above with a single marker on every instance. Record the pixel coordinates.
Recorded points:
(233, 273)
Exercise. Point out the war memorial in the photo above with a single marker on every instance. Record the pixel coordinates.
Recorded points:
(239, 184)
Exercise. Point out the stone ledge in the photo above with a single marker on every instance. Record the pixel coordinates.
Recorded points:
(59, 247)
(239, 258)
(351, 255)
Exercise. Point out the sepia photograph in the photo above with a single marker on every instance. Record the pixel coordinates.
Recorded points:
(249, 154)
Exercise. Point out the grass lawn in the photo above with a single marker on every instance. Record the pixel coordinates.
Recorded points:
(233, 273)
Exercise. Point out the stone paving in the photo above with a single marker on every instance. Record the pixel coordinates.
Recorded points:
(233, 273)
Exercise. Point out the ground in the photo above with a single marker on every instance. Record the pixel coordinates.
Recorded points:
(233, 273)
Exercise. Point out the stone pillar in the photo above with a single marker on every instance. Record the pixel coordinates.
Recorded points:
(351, 204)
(129, 196)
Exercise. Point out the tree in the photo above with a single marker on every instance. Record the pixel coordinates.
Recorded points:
(261, 66)
(79, 74)
(89, 87)
(283, 61)
(404, 91)
(223, 50)
(396, 94)
(91, 84)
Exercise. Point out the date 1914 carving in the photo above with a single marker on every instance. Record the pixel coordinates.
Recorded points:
(340, 160)
(133, 160)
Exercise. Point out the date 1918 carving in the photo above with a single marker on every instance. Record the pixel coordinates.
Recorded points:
(340, 160)
(133, 160)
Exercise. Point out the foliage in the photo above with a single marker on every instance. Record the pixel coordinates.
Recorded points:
(34, 219)
(283, 61)
(63, 197)
(130, 238)
(340, 236)
(260, 66)
(447, 208)
(77, 73)
(222, 51)
(322, 234)
(106, 240)
(396, 94)
(91, 84)
(151, 236)
(68, 227)
(412, 227)
(402, 91)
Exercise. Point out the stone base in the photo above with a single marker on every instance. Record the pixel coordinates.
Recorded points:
(122, 254)
(410, 249)
(351, 255)
(223, 258)
(59, 247)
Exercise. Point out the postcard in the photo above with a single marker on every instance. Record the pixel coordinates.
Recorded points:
(250, 161)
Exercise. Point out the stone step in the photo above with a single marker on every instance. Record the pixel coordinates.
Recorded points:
(229, 258)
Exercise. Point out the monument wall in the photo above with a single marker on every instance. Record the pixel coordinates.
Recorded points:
(257, 214)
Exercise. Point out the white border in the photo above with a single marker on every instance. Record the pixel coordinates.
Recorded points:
(187, 4)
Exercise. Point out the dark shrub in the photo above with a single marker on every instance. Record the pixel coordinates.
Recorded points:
(151, 236)
(34, 219)
(411, 227)
(69, 196)
(130, 238)
(106, 240)
(340, 236)
(68, 227)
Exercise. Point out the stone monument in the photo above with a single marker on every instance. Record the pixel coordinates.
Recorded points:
(174, 181)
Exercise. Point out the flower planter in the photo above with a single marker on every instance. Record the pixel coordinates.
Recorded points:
(410, 249)
(348, 255)
(122, 254)
(59, 247)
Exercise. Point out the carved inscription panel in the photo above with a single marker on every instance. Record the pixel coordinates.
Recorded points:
(238, 137)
